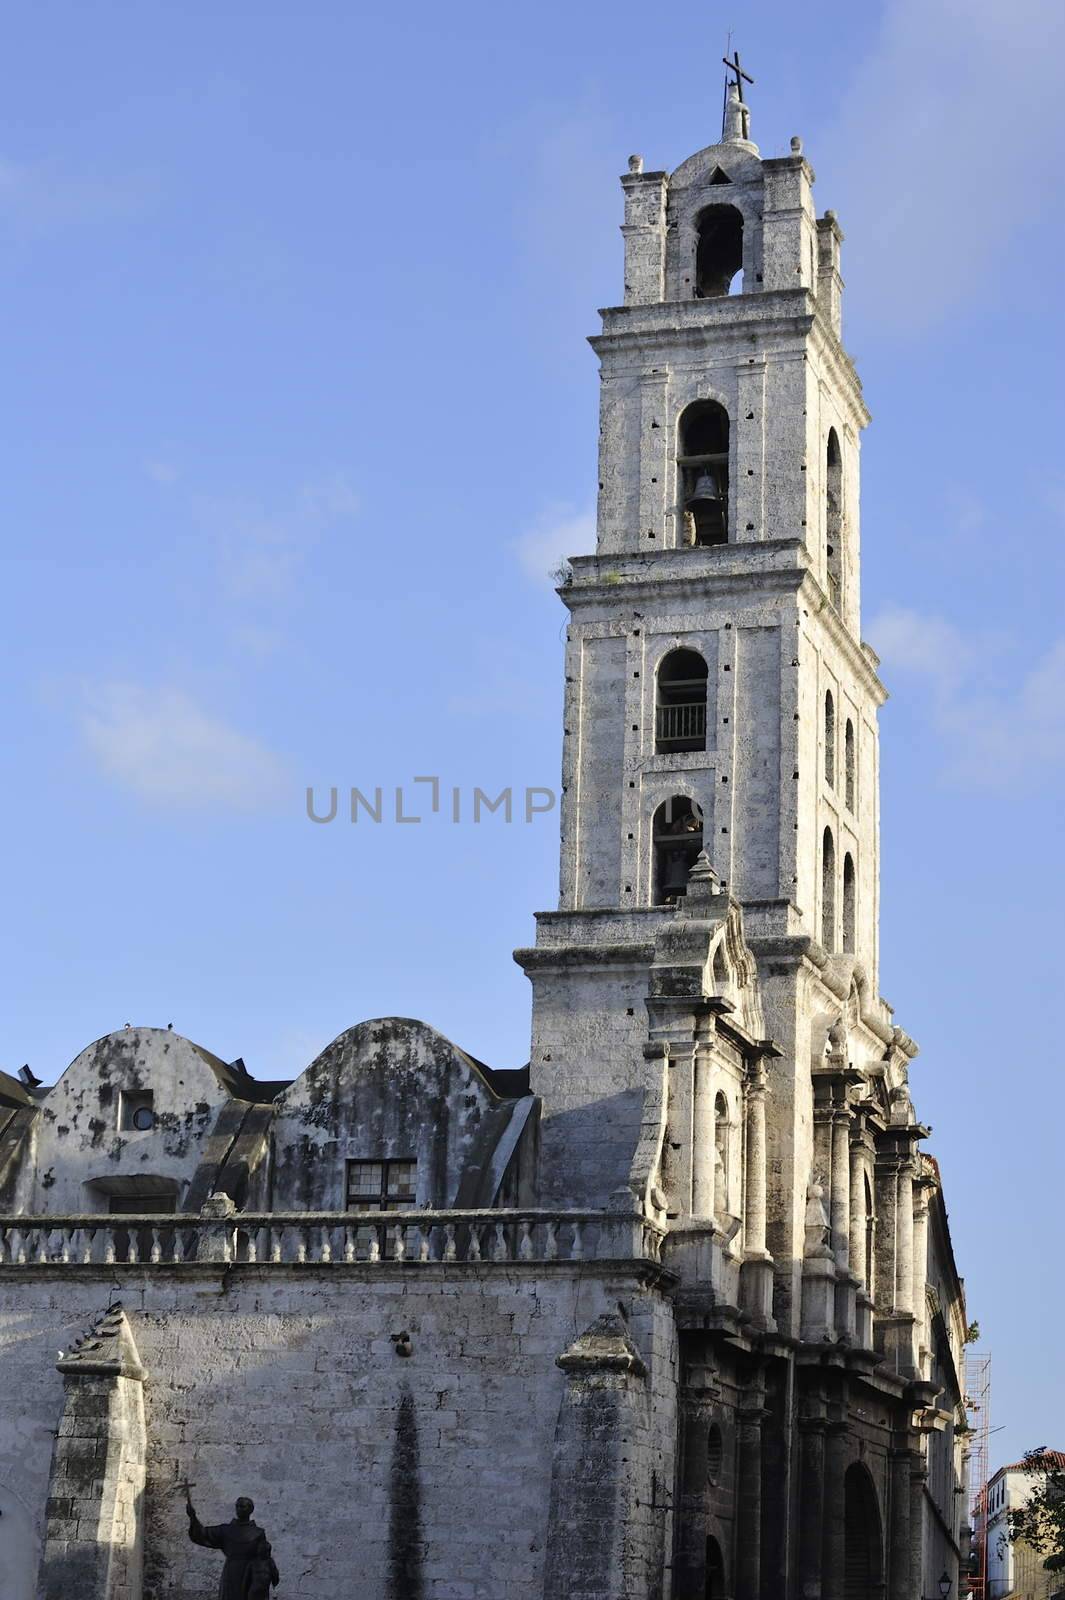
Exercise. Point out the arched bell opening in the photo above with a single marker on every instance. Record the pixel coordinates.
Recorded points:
(718, 251)
(863, 1538)
(680, 710)
(848, 764)
(849, 907)
(834, 519)
(828, 890)
(676, 838)
(702, 462)
(830, 739)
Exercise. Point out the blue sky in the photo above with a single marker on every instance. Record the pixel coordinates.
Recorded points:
(298, 412)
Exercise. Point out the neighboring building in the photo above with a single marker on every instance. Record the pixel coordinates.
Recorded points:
(671, 1313)
(1015, 1569)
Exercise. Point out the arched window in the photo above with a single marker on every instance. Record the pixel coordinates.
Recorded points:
(722, 1141)
(849, 910)
(830, 739)
(870, 1236)
(828, 890)
(848, 764)
(862, 1539)
(834, 519)
(715, 1570)
(718, 251)
(680, 713)
(715, 1454)
(703, 473)
(676, 839)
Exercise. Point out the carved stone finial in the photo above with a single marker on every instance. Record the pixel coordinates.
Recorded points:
(703, 871)
(636, 164)
(218, 1205)
(796, 145)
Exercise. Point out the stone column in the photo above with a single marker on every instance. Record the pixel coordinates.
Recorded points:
(93, 1536)
(898, 1541)
(840, 1215)
(920, 1277)
(749, 1421)
(700, 1396)
(704, 1140)
(841, 1188)
(756, 1273)
(887, 1194)
(603, 1524)
(812, 1502)
(832, 1586)
(904, 1234)
(754, 1222)
(860, 1255)
(858, 1219)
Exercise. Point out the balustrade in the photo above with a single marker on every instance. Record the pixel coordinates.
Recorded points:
(323, 1239)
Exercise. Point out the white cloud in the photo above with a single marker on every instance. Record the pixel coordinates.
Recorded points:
(560, 533)
(168, 750)
(945, 147)
(260, 551)
(917, 643)
(992, 736)
(330, 498)
(39, 198)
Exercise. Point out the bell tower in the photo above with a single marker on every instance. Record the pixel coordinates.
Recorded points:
(718, 697)
(716, 687)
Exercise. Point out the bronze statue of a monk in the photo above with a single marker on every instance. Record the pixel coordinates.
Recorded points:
(240, 1541)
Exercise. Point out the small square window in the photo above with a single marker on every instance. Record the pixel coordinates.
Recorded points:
(382, 1185)
(136, 1111)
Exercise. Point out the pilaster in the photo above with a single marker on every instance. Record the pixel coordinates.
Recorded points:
(93, 1536)
(594, 1495)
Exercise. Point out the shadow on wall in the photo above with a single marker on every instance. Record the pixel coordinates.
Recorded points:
(19, 1548)
(404, 1511)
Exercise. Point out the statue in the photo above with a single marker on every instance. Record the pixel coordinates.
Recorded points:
(262, 1571)
(249, 1566)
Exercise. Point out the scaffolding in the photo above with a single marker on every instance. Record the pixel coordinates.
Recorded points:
(978, 1411)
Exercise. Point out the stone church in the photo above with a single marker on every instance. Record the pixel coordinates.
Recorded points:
(672, 1312)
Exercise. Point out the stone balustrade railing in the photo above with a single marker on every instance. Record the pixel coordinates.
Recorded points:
(323, 1238)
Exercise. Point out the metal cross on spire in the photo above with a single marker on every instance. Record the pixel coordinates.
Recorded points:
(741, 77)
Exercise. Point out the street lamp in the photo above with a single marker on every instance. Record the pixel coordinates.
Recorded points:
(945, 1586)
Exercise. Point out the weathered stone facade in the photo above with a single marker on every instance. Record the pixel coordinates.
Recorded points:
(673, 1313)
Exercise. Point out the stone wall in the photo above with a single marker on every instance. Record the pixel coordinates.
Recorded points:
(424, 1476)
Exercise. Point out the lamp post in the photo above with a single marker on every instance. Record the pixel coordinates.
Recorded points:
(944, 1586)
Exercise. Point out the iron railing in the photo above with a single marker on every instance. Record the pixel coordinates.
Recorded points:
(681, 724)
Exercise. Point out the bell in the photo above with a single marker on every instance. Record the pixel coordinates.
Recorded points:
(674, 874)
(705, 496)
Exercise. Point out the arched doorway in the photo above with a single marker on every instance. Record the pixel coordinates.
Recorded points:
(863, 1541)
(715, 1571)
